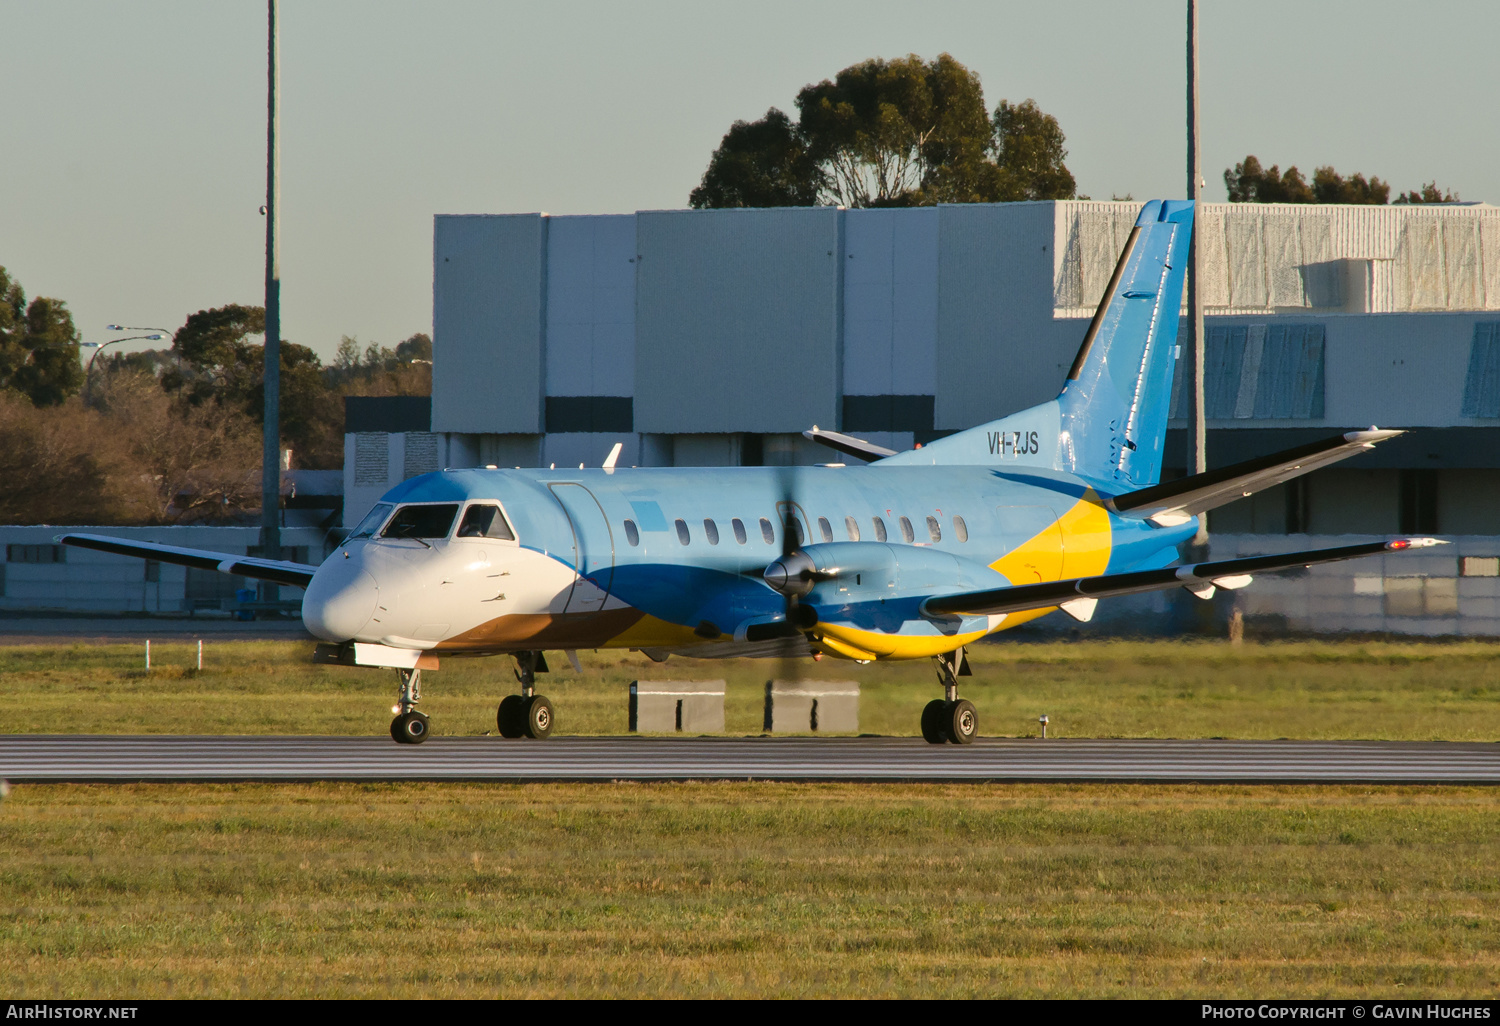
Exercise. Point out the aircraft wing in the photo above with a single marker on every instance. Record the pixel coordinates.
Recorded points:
(1232, 572)
(1176, 502)
(280, 571)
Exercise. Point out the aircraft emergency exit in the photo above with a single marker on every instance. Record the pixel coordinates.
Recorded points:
(915, 555)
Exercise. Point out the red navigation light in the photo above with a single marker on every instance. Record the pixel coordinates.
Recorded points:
(1399, 543)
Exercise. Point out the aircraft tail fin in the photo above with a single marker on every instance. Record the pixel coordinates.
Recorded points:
(1109, 424)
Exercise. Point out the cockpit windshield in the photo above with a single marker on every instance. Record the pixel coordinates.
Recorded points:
(372, 521)
(424, 521)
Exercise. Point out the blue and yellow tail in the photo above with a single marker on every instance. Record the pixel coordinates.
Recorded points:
(1109, 424)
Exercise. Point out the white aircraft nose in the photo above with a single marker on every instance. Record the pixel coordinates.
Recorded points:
(340, 600)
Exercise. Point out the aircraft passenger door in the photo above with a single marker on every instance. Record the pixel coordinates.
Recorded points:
(593, 547)
(1034, 542)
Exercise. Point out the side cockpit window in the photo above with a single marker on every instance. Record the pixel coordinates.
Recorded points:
(372, 521)
(485, 521)
(424, 521)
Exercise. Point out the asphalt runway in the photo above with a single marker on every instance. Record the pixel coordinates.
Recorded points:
(39, 757)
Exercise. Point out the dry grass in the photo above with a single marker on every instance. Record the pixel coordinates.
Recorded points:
(736, 889)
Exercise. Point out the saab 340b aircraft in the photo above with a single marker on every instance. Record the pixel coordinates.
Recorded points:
(915, 555)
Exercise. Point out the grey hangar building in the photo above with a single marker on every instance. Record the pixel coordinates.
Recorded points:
(715, 337)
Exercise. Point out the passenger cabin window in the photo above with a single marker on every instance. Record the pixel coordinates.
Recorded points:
(907, 532)
(766, 532)
(711, 530)
(879, 528)
(632, 534)
(852, 526)
(433, 521)
(372, 521)
(934, 529)
(682, 532)
(960, 528)
(485, 522)
(739, 530)
(825, 528)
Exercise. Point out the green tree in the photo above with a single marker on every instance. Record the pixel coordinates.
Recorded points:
(38, 346)
(1248, 182)
(1331, 187)
(1029, 155)
(760, 164)
(1429, 193)
(890, 133)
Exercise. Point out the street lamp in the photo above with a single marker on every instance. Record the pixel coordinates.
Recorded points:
(99, 347)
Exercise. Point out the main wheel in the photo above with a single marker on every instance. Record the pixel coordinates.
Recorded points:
(962, 722)
(932, 722)
(511, 716)
(539, 721)
(410, 728)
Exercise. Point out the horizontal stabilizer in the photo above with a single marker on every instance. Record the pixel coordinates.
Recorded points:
(1175, 502)
(280, 571)
(848, 444)
(1061, 593)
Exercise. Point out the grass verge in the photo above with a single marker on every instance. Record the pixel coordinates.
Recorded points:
(722, 889)
(1305, 689)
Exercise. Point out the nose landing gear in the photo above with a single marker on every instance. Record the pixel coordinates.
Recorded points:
(950, 718)
(527, 714)
(409, 727)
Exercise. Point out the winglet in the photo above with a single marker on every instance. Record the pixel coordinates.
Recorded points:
(848, 444)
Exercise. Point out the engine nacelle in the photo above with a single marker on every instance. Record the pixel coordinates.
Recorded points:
(841, 573)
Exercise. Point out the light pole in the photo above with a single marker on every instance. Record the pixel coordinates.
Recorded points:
(270, 531)
(99, 347)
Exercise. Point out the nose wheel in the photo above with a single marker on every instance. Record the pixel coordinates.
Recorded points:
(410, 727)
(527, 714)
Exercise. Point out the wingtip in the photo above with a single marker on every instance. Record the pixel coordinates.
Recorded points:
(1414, 543)
(1372, 435)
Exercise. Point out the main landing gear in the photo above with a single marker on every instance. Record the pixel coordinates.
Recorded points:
(527, 714)
(409, 727)
(950, 718)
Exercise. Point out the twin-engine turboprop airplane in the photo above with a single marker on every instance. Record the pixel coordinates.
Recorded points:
(916, 555)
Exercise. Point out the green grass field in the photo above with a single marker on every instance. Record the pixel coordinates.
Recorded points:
(1088, 688)
(713, 889)
(735, 889)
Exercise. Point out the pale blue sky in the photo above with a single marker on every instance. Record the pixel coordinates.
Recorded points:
(133, 159)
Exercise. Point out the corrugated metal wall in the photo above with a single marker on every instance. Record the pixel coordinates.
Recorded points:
(487, 322)
(737, 320)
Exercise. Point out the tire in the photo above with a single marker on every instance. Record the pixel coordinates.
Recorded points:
(932, 722)
(510, 718)
(962, 722)
(539, 718)
(410, 728)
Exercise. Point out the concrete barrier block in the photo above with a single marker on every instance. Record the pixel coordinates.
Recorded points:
(826, 706)
(668, 706)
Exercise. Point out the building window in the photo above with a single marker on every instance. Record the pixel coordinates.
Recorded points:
(825, 528)
(960, 529)
(34, 554)
(766, 532)
(1421, 596)
(739, 529)
(711, 531)
(934, 530)
(906, 531)
(632, 535)
(153, 571)
(1482, 383)
(852, 526)
(1419, 501)
(682, 532)
(879, 528)
(1260, 372)
(1480, 566)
